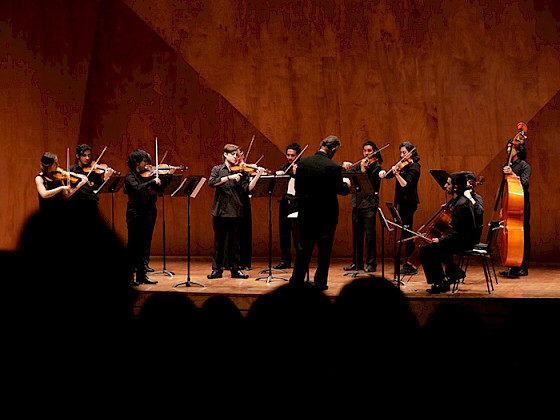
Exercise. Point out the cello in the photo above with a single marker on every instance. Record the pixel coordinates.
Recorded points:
(512, 212)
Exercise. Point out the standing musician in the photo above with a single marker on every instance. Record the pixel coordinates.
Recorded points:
(523, 170)
(461, 237)
(364, 210)
(318, 182)
(288, 228)
(83, 160)
(407, 174)
(52, 185)
(477, 202)
(246, 228)
(227, 211)
(140, 186)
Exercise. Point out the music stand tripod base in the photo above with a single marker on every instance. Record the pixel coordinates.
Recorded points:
(270, 276)
(188, 284)
(356, 273)
(169, 273)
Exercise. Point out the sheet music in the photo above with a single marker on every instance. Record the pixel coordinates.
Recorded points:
(198, 187)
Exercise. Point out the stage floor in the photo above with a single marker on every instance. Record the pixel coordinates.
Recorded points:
(543, 282)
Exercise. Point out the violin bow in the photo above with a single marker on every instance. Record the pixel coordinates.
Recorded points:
(296, 159)
(249, 148)
(372, 153)
(157, 163)
(408, 154)
(98, 160)
(68, 165)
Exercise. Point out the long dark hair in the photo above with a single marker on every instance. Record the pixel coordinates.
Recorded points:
(409, 146)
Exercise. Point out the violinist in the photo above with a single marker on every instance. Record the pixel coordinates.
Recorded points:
(227, 211)
(462, 236)
(407, 175)
(82, 166)
(477, 202)
(142, 193)
(364, 210)
(523, 170)
(246, 228)
(288, 228)
(52, 185)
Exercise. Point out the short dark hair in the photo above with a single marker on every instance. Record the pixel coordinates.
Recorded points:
(469, 175)
(294, 146)
(331, 142)
(409, 146)
(136, 156)
(459, 180)
(81, 148)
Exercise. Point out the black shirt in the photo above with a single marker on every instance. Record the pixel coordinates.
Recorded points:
(86, 192)
(229, 196)
(463, 229)
(46, 204)
(141, 191)
(523, 170)
(368, 200)
(408, 195)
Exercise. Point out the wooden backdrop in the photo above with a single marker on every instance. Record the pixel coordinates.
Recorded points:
(454, 78)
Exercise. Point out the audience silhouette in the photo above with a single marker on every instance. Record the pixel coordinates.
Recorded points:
(73, 301)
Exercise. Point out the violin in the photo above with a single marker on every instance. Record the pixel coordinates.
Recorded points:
(370, 159)
(248, 168)
(399, 166)
(61, 175)
(99, 168)
(162, 169)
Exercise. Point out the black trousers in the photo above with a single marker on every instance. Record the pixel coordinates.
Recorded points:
(139, 237)
(527, 235)
(407, 216)
(363, 223)
(226, 242)
(434, 256)
(152, 216)
(246, 237)
(288, 229)
(314, 234)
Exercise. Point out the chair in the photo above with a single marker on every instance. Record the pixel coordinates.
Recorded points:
(484, 252)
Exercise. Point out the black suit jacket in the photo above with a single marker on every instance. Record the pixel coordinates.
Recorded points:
(318, 184)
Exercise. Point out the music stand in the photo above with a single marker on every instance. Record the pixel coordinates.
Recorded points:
(397, 222)
(190, 187)
(169, 186)
(384, 225)
(269, 186)
(111, 185)
(440, 176)
(360, 185)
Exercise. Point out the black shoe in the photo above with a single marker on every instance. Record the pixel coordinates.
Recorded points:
(245, 267)
(523, 272)
(439, 288)
(146, 280)
(282, 265)
(215, 274)
(321, 287)
(238, 274)
(512, 272)
(407, 269)
(133, 283)
(371, 268)
(353, 267)
(149, 269)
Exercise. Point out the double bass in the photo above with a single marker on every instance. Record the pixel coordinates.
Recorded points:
(511, 195)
